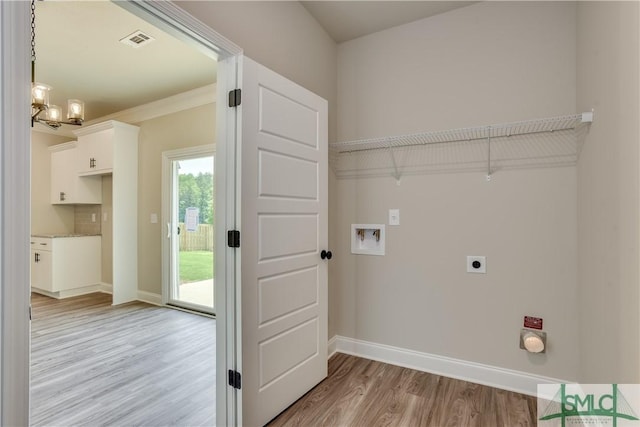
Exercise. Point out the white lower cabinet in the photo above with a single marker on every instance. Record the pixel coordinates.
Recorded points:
(41, 264)
(65, 263)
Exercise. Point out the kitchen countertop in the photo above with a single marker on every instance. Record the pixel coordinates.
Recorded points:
(62, 235)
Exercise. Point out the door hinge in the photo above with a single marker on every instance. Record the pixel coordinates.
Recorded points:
(235, 97)
(233, 238)
(235, 379)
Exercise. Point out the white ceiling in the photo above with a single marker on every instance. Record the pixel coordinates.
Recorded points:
(80, 56)
(78, 53)
(347, 20)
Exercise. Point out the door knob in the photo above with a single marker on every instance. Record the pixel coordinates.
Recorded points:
(326, 254)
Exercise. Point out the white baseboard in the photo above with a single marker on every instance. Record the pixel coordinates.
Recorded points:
(331, 346)
(149, 297)
(106, 288)
(493, 376)
(72, 292)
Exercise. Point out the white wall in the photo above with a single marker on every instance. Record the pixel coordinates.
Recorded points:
(609, 191)
(492, 62)
(107, 229)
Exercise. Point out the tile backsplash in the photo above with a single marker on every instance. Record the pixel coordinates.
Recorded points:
(84, 215)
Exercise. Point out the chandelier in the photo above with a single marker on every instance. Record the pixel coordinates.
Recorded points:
(41, 111)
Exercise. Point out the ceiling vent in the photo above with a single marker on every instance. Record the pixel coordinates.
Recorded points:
(137, 39)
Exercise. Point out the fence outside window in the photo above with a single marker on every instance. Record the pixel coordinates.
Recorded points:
(199, 240)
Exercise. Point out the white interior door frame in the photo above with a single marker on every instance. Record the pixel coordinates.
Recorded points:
(15, 212)
(227, 166)
(15, 205)
(168, 203)
(182, 25)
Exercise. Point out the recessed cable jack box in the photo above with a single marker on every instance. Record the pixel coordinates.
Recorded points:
(367, 239)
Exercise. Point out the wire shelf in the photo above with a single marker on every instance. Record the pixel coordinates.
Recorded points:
(547, 142)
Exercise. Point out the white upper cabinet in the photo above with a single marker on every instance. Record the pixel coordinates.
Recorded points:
(66, 186)
(95, 153)
(96, 145)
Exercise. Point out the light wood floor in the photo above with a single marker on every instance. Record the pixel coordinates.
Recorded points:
(134, 364)
(361, 392)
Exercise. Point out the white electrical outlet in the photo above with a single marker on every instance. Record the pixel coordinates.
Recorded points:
(476, 264)
(93, 217)
(394, 216)
(154, 218)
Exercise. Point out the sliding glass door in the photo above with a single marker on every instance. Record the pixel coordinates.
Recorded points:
(191, 235)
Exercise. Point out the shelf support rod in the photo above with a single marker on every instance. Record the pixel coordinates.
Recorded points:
(488, 153)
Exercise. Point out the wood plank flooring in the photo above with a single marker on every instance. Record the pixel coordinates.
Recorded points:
(361, 392)
(93, 364)
(136, 364)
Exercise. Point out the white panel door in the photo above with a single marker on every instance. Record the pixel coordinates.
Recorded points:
(283, 231)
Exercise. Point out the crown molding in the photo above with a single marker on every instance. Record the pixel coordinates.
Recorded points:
(183, 101)
(100, 126)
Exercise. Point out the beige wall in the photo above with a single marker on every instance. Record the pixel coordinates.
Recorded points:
(284, 37)
(482, 64)
(609, 191)
(188, 128)
(280, 35)
(45, 217)
(184, 129)
(488, 63)
(492, 62)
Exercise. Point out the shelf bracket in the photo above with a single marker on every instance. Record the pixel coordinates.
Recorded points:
(489, 153)
(587, 117)
(396, 174)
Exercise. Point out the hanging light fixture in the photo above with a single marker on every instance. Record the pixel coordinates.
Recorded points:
(41, 110)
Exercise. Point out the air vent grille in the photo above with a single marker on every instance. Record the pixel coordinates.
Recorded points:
(137, 39)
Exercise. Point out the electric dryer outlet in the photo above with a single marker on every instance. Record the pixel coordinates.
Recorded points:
(476, 264)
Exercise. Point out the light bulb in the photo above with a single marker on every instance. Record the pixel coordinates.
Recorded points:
(533, 343)
(40, 94)
(54, 113)
(75, 110)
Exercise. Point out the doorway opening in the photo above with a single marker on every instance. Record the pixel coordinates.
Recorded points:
(16, 135)
(191, 114)
(190, 208)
